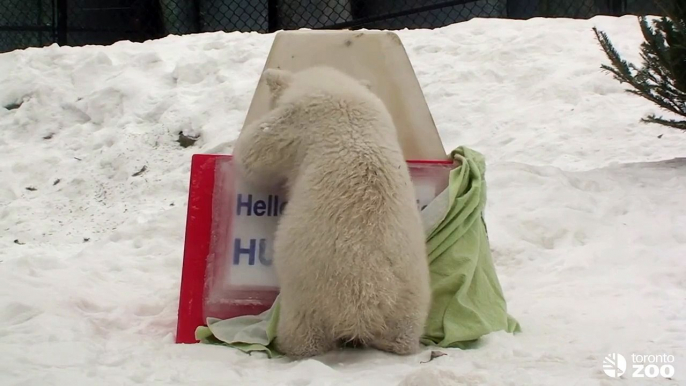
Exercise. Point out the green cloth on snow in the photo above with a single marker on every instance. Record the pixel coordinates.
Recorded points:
(468, 301)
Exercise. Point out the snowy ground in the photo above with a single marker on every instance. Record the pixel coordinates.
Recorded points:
(587, 211)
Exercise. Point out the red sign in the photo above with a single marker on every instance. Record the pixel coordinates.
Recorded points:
(227, 263)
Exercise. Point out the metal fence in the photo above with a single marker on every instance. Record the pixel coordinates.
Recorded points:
(34, 23)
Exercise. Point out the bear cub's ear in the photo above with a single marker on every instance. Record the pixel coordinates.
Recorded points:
(277, 80)
(366, 83)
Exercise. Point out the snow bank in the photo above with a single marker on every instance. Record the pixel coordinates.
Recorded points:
(586, 214)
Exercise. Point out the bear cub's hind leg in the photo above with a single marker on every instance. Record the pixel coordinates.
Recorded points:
(299, 337)
(402, 336)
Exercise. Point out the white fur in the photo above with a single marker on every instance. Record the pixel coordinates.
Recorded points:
(349, 250)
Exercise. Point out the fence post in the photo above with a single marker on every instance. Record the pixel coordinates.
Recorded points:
(617, 7)
(272, 15)
(197, 17)
(62, 21)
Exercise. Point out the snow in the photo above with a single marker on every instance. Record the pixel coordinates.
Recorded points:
(586, 213)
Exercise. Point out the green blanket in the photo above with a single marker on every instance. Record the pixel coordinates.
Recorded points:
(468, 302)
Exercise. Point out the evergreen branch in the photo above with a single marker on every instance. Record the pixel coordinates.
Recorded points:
(663, 87)
(620, 67)
(622, 72)
(654, 43)
(662, 76)
(681, 125)
(664, 103)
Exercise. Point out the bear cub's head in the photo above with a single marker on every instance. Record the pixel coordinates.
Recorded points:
(313, 82)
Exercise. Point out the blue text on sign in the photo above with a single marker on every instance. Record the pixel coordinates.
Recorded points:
(270, 207)
(255, 248)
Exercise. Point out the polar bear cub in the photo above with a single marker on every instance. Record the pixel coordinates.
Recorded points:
(349, 249)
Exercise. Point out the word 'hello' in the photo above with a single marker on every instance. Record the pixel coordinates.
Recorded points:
(270, 207)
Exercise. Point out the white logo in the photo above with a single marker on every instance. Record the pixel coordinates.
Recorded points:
(652, 366)
(643, 366)
(614, 365)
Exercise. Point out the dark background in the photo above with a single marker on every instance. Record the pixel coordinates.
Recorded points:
(35, 23)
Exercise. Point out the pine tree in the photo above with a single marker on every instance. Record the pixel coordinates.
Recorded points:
(662, 78)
